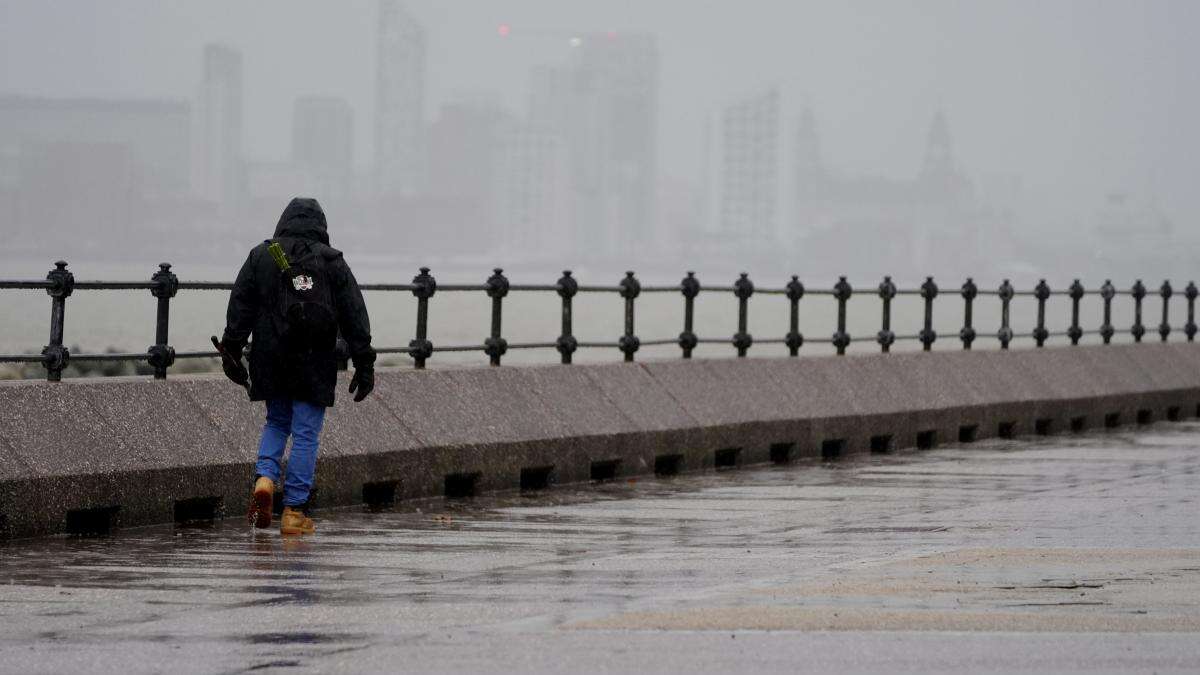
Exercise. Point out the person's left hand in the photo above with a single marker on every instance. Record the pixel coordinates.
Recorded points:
(363, 382)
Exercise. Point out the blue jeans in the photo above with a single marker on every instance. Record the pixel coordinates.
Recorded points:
(303, 422)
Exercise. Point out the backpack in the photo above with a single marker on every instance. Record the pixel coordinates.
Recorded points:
(305, 314)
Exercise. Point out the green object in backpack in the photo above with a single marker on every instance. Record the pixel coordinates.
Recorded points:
(277, 253)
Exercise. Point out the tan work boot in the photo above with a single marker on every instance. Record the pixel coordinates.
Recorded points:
(259, 514)
(295, 522)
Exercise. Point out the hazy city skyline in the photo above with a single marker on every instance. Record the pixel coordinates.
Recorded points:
(1064, 116)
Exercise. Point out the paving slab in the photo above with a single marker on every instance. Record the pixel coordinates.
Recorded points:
(1064, 554)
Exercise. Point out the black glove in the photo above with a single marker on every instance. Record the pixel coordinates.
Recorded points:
(232, 366)
(363, 382)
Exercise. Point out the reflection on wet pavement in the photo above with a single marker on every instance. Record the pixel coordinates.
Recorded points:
(1073, 535)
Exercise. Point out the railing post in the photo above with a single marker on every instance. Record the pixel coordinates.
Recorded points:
(794, 340)
(1164, 328)
(424, 286)
(929, 291)
(885, 337)
(630, 289)
(566, 343)
(841, 292)
(743, 288)
(1138, 292)
(690, 287)
(1042, 293)
(166, 284)
(497, 287)
(1107, 292)
(1006, 296)
(1075, 331)
(55, 356)
(967, 334)
(1190, 294)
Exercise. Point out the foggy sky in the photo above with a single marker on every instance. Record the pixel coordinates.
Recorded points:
(1077, 99)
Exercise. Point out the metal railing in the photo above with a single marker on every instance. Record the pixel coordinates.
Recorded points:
(60, 283)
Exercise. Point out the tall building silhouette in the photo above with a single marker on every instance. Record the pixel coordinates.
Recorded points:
(749, 169)
(399, 102)
(464, 159)
(603, 106)
(323, 142)
(530, 192)
(811, 176)
(219, 175)
(323, 132)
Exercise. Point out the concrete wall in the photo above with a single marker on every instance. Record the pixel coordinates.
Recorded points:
(127, 451)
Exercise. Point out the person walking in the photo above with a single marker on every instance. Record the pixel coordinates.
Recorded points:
(294, 295)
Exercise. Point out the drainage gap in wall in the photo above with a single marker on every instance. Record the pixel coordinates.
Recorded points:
(1043, 427)
(97, 521)
(833, 448)
(1112, 420)
(726, 458)
(967, 433)
(1173, 414)
(1007, 430)
(1145, 416)
(380, 496)
(1078, 425)
(781, 453)
(605, 469)
(461, 485)
(197, 510)
(881, 443)
(667, 465)
(927, 440)
(536, 478)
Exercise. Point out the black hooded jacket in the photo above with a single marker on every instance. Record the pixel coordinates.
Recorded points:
(255, 297)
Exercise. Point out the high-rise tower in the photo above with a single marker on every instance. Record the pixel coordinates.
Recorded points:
(399, 102)
(810, 173)
(323, 143)
(939, 150)
(219, 175)
(603, 105)
(750, 166)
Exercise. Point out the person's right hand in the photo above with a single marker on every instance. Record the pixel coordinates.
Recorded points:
(232, 366)
(236, 372)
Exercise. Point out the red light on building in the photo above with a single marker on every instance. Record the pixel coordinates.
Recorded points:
(503, 30)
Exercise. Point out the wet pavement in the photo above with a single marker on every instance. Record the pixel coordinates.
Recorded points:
(1078, 553)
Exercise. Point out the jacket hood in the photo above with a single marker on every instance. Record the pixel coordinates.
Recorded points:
(303, 219)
